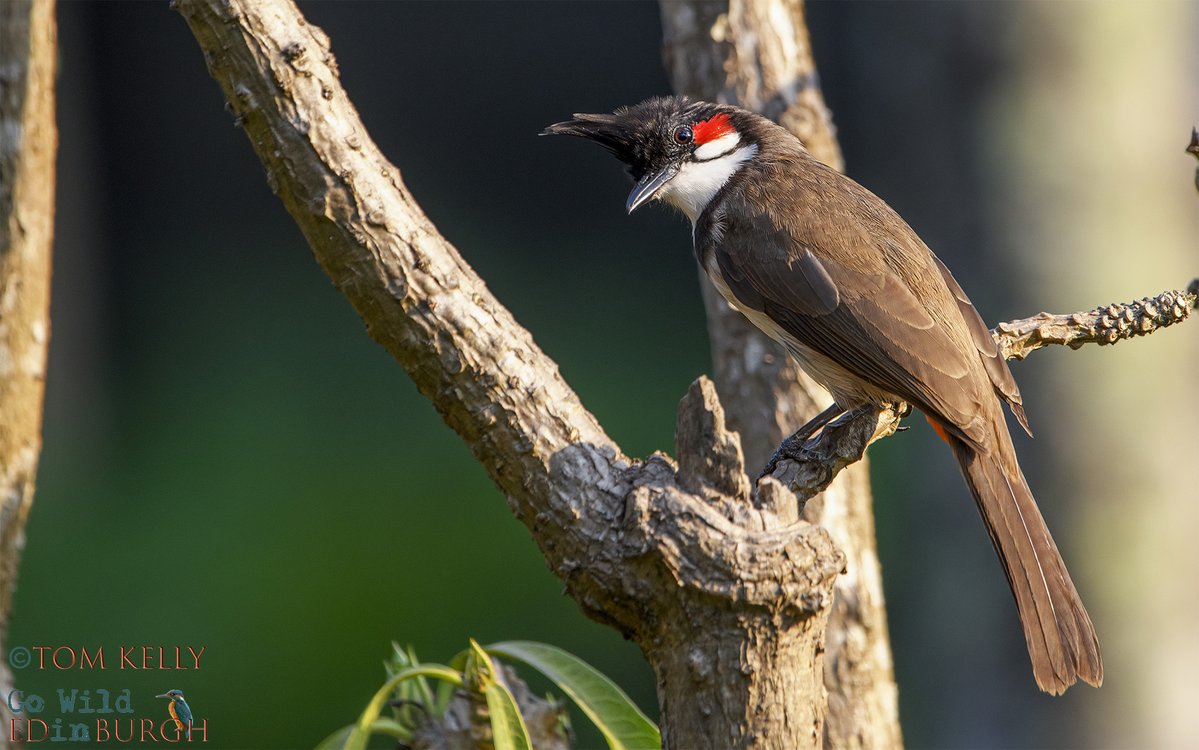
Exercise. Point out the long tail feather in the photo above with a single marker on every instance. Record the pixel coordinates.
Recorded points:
(1061, 639)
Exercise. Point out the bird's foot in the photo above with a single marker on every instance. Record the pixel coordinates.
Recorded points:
(792, 449)
(793, 446)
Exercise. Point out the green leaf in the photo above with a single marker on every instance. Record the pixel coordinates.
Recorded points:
(479, 671)
(614, 713)
(508, 730)
(337, 740)
(445, 691)
(459, 660)
(362, 730)
(390, 727)
(340, 738)
(421, 684)
(415, 691)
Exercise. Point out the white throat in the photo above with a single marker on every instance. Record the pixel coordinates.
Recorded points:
(697, 182)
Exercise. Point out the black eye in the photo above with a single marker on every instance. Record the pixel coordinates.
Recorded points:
(684, 135)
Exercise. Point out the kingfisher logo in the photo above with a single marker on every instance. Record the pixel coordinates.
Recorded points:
(180, 712)
(100, 716)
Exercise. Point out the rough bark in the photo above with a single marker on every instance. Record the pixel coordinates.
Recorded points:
(757, 54)
(727, 598)
(28, 142)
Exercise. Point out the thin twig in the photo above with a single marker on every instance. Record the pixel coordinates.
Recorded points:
(1103, 325)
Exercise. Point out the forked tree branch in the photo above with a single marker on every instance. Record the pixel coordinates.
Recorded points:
(727, 599)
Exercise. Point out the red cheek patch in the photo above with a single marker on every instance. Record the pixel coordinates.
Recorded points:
(709, 130)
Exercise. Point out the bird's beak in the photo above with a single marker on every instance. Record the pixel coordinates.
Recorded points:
(615, 134)
(164, 695)
(648, 186)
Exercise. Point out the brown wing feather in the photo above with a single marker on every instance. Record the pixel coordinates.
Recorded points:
(880, 309)
(993, 361)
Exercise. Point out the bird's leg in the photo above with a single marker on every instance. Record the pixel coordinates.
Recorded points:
(792, 447)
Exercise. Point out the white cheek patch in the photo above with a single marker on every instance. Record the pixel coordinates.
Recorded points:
(712, 149)
(697, 182)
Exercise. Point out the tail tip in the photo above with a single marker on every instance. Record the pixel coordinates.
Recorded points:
(1055, 683)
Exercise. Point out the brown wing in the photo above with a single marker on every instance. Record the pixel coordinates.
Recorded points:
(993, 361)
(842, 273)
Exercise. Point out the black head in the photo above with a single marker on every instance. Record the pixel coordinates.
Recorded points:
(656, 137)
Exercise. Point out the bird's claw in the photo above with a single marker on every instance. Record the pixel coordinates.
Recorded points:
(767, 470)
(785, 451)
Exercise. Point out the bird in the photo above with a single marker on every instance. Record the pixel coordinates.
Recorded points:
(831, 272)
(179, 711)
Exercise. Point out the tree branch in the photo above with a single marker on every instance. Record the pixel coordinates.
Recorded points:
(28, 47)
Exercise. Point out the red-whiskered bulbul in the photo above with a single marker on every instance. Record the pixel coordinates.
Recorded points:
(831, 272)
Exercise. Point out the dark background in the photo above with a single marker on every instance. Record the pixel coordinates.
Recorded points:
(230, 461)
